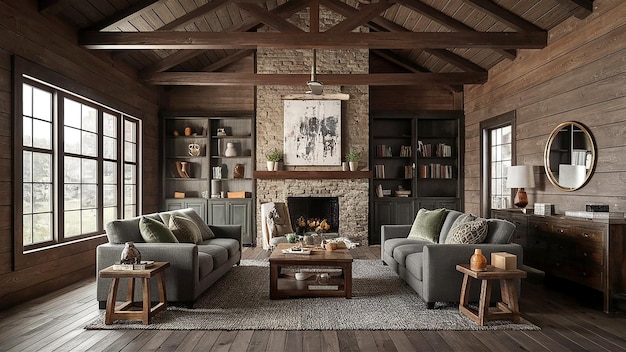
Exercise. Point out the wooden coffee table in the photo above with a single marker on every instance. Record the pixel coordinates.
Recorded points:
(283, 284)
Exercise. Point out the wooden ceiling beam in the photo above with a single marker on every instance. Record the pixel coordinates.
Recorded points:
(210, 6)
(410, 66)
(455, 60)
(503, 15)
(372, 79)
(448, 22)
(285, 10)
(584, 8)
(271, 19)
(229, 60)
(378, 40)
(360, 17)
(125, 15)
(314, 16)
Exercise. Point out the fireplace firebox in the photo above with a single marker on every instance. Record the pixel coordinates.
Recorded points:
(314, 208)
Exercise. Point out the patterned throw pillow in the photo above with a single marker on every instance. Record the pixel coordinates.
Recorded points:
(205, 230)
(470, 232)
(185, 229)
(153, 231)
(427, 225)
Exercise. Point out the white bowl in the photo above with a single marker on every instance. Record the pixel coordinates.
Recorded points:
(303, 276)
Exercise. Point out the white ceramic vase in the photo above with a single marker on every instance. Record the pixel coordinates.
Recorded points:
(271, 165)
(354, 165)
(230, 150)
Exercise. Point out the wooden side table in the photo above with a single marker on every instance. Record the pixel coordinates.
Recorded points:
(124, 311)
(507, 309)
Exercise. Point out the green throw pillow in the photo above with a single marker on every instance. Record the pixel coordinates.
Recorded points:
(470, 232)
(205, 230)
(185, 229)
(153, 231)
(427, 225)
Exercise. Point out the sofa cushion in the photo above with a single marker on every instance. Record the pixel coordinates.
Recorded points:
(124, 230)
(499, 231)
(206, 232)
(230, 244)
(154, 231)
(415, 264)
(427, 225)
(392, 243)
(447, 224)
(401, 252)
(469, 232)
(184, 229)
(219, 253)
(205, 264)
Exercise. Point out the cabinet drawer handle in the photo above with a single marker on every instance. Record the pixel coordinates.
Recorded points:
(585, 254)
(586, 235)
(561, 230)
(584, 273)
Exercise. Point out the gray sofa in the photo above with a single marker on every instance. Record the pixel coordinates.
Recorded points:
(193, 267)
(430, 268)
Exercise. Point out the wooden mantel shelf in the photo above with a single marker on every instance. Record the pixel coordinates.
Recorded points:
(311, 175)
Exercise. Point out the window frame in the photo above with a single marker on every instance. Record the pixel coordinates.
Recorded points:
(27, 72)
(486, 126)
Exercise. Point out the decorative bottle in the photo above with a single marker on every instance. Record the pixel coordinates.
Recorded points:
(478, 262)
(130, 254)
(230, 150)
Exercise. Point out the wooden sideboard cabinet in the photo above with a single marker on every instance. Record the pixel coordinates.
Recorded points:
(591, 253)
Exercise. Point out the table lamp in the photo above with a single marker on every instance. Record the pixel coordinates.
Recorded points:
(520, 177)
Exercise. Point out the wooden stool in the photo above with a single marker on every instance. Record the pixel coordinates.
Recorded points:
(123, 311)
(507, 309)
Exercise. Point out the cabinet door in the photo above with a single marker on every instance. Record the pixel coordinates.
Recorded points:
(174, 204)
(405, 212)
(239, 214)
(199, 206)
(218, 213)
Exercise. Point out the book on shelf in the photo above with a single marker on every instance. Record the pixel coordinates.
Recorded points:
(406, 151)
(443, 150)
(379, 191)
(324, 287)
(435, 171)
(383, 150)
(408, 171)
(141, 266)
(379, 171)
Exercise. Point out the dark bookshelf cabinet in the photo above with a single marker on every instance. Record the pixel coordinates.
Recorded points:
(203, 187)
(416, 162)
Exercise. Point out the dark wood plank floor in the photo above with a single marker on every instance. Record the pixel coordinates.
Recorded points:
(55, 323)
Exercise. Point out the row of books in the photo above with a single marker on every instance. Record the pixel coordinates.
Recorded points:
(383, 150)
(440, 149)
(379, 171)
(435, 171)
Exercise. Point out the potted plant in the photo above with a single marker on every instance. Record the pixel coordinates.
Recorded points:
(353, 157)
(275, 156)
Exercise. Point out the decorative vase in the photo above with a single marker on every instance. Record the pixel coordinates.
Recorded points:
(345, 166)
(354, 165)
(278, 165)
(478, 262)
(230, 150)
(130, 254)
(187, 131)
(270, 165)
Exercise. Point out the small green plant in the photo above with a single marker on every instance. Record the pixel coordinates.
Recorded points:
(353, 155)
(275, 155)
(293, 238)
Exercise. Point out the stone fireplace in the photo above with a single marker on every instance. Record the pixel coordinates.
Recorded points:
(352, 193)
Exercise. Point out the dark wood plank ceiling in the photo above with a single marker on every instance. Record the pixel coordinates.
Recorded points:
(187, 42)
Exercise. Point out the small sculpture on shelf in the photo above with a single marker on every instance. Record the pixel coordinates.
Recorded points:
(221, 132)
(239, 171)
(194, 149)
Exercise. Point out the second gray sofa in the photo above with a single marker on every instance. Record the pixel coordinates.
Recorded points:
(430, 268)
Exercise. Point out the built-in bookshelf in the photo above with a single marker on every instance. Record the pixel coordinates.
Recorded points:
(416, 164)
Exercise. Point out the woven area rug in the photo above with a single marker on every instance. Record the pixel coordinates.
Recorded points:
(381, 301)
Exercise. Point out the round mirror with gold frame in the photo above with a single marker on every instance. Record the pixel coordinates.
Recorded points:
(570, 156)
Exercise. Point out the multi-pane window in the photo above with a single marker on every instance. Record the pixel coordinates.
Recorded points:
(37, 165)
(500, 162)
(72, 165)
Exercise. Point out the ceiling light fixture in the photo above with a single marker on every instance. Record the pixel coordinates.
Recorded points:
(315, 87)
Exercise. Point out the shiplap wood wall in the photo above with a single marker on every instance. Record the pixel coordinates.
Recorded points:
(50, 43)
(580, 76)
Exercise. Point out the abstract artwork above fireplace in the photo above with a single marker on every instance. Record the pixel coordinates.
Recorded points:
(312, 132)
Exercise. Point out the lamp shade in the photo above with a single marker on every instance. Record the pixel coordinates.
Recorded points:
(521, 176)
